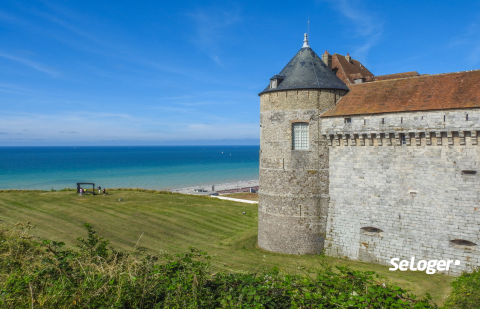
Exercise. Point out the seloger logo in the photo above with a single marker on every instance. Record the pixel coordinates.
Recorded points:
(430, 266)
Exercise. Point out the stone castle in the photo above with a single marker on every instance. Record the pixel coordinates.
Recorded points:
(370, 167)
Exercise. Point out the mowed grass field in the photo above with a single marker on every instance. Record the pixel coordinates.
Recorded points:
(172, 223)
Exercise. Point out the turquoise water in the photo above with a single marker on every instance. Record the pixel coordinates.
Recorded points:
(165, 167)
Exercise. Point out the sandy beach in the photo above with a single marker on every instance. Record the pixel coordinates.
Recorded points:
(230, 187)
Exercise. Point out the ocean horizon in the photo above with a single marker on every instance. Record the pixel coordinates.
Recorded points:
(148, 167)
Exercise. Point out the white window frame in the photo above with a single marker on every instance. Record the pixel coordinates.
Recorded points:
(300, 136)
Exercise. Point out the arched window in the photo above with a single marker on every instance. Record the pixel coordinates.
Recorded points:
(300, 135)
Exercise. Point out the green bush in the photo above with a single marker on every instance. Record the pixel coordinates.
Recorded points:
(92, 274)
(466, 291)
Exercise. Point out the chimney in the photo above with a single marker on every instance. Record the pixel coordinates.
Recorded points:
(327, 59)
(348, 57)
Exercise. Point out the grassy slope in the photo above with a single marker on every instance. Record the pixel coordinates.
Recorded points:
(173, 223)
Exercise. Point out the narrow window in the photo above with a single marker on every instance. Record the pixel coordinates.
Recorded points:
(364, 121)
(466, 117)
(469, 172)
(273, 83)
(300, 135)
(401, 120)
(443, 117)
(403, 139)
(348, 120)
(383, 120)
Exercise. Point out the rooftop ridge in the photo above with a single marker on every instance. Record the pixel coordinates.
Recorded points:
(453, 90)
(396, 73)
(408, 77)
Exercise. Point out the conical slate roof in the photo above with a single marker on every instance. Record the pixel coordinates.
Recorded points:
(307, 71)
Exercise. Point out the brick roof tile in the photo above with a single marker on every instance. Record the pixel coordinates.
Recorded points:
(346, 68)
(425, 92)
(396, 75)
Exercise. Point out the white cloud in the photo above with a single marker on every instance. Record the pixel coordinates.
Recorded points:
(32, 64)
(366, 25)
(94, 127)
(469, 41)
(211, 30)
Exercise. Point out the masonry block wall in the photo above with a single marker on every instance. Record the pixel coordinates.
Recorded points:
(404, 185)
(293, 195)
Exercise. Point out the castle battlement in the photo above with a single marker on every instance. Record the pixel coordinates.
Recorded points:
(443, 127)
(386, 167)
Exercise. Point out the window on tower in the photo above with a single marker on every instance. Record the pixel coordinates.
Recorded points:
(300, 135)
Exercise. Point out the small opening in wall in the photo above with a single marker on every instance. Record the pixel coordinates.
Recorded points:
(403, 139)
(371, 231)
(466, 117)
(401, 120)
(383, 120)
(422, 117)
(462, 244)
(443, 117)
(469, 172)
(364, 121)
(348, 120)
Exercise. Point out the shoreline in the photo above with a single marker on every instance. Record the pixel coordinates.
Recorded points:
(228, 187)
(221, 188)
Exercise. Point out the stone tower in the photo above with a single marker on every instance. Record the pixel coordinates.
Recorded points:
(294, 156)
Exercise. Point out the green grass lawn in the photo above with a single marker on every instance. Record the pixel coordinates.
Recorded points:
(172, 223)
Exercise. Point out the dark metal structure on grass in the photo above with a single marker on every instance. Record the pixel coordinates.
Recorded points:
(86, 183)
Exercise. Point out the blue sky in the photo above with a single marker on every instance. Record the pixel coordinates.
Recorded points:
(188, 72)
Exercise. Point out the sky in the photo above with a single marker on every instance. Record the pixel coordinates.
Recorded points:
(108, 73)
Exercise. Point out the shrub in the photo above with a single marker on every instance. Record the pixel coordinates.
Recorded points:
(466, 291)
(92, 274)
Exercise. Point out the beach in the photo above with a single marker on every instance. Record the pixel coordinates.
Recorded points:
(229, 187)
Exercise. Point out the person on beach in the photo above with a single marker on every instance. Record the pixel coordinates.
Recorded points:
(81, 191)
(104, 192)
(99, 189)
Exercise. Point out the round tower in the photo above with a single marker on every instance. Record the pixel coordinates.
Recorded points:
(293, 195)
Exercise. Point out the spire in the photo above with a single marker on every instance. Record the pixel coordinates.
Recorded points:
(306, 71)
(305, 41)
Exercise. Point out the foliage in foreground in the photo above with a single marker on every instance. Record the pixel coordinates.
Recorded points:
(466, 291)
(46, 274)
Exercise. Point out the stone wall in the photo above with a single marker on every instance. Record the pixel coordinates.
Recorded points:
(405, 185)
(293, 195)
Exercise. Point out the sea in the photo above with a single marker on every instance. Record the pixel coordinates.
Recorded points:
(149, 167)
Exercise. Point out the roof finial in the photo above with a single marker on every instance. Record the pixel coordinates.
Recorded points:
(305, 41)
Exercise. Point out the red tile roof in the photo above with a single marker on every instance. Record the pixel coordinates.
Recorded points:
(396, 75)
(425, 92)
(345, 69)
